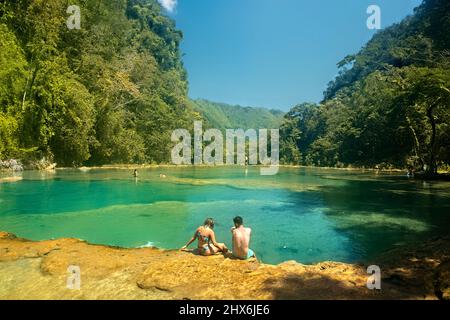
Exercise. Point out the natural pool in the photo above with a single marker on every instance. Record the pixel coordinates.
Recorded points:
(302, 214)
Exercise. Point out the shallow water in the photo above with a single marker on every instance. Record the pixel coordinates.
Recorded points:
(307, 215)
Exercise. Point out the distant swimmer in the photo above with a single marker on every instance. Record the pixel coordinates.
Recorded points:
(135, 174)
(162, 176)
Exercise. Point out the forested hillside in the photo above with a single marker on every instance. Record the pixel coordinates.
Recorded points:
(224, 116)
(390, 104)
(110, 92)
(113, 91)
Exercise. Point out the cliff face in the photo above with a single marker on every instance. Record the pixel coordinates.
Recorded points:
(38, 270)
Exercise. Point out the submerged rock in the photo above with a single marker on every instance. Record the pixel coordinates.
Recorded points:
(11, 179)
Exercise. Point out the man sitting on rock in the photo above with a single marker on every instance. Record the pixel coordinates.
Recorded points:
(241, 240)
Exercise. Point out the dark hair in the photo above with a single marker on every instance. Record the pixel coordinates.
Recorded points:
(238, 221)
(209, 222)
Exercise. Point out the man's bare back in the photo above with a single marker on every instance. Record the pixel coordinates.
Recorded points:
(241, 240)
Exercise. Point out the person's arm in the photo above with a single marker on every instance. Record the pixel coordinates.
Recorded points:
(190, 241)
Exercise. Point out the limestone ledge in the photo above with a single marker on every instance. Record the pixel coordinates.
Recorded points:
(38, 270)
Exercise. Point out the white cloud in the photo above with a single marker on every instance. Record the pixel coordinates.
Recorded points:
(169, 5)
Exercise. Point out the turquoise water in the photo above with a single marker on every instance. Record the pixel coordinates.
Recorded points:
(307, 215)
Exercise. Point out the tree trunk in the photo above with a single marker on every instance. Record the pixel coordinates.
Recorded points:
(432, 167)
(417, 148)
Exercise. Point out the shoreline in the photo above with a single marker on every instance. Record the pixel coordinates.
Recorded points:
(203, 166)
(14, 176)
(38, 270)
(126, 166)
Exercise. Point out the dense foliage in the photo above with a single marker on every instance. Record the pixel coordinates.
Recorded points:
(110, 92)
(389, 105)
(224, 116)
(113, 91)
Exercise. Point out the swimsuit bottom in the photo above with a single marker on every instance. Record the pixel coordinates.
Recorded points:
(206, 248)
(250, 254)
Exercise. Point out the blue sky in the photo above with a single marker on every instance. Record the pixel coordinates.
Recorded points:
(272, 53)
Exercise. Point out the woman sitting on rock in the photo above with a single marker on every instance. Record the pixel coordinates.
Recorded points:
(207, 244)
